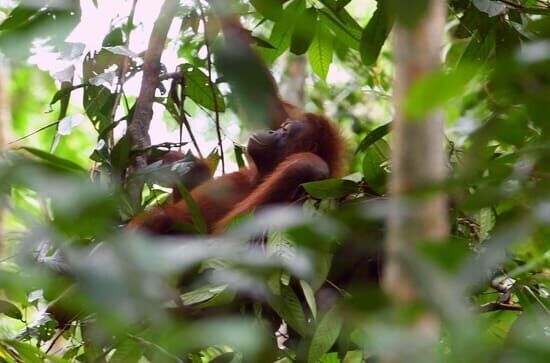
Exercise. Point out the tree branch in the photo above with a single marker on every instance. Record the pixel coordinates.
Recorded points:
(138, 129)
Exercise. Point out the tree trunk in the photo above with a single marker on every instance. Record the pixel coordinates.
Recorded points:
(138, 129)
(418, 159)
(293, 80)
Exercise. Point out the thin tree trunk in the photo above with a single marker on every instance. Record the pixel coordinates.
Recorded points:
(4, 122)
(418, 159)
(138, 129)
(293, 81)
(418, 149)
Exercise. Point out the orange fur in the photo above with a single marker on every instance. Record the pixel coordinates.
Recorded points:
(225, 197)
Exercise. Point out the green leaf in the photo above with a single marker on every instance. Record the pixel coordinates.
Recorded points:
(198, 88)
(330, 358)
(128, 351)
(435, 89)
(27, 352)
(507, 40)
(250, 80)
(304, 31)
(408, 13)
(54, 160)
(290, 309)
(10, 310)
(486, 219)
(342, 14)
(330, 188)
(198, 219)
(98, 103)
(320, 52)
(374, 136)
(325, 335)
(282, 30)
(340, 4)
(310, 297)
(374, 35)
(374, 174)
(45, 21)
(120, 156)
(478, 49)
(62, 94)
(345, 34)
(271, 9)
(19, 17)
(202, 294)
(239, 153)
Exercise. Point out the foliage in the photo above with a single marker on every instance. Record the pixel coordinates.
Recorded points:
(70, 274)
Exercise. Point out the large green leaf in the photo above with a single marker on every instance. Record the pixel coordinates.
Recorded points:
(282, 30)
(330, 188)
(290, 309)
(421, 98)
(304, 31)
(26, 22)
(19, 16)
(346, 35)
(320, 52)
(128, 351)
(374, 35)
(325, 335)
(271, 9)
(54, 160)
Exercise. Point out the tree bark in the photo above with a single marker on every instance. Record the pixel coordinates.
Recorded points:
(418, 157)
(138, 129)
(293, 81)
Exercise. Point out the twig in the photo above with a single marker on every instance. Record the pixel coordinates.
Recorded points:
(521, 6)
(210, 82)
(32, 133)
(123, 68)
(497, 306)
(184, 121)
(171, 75)
(156, 346)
